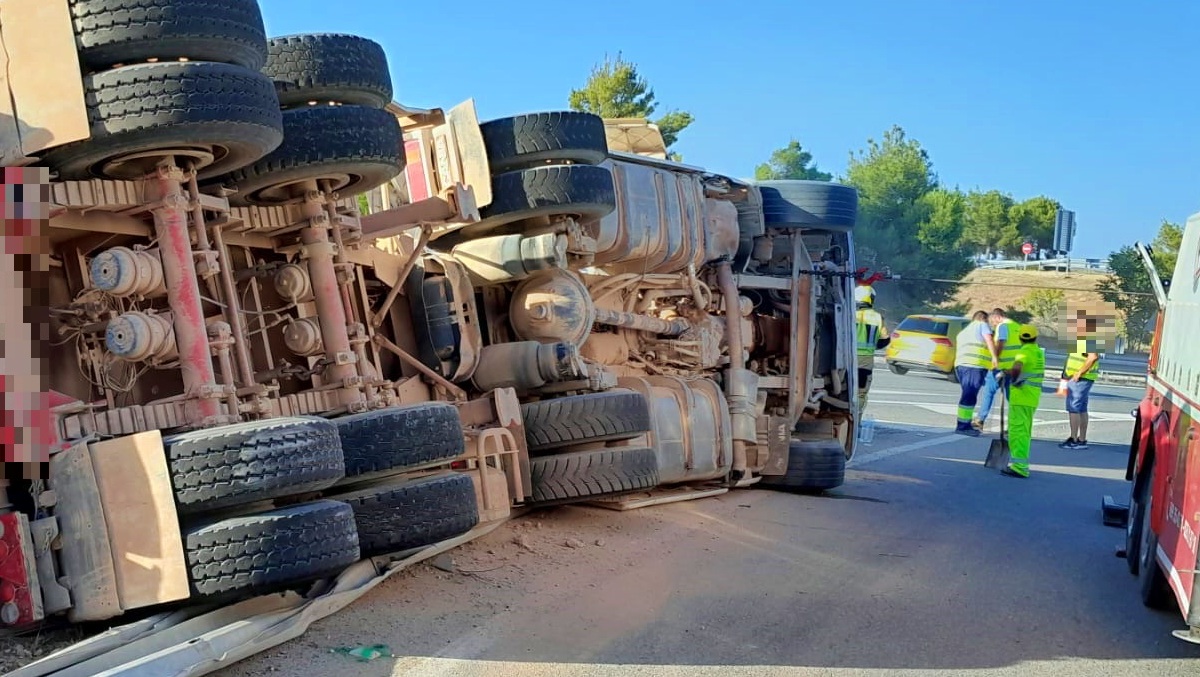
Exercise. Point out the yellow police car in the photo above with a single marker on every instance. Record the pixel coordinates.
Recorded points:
(925, 343)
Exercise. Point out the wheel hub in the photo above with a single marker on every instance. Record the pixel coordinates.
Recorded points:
(132, 166)
(293, 191)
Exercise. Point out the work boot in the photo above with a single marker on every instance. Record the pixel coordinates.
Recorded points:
(969, 432)
(977, 424)
(1009, 472)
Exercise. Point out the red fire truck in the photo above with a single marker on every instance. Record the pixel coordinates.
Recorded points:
(1163, 515)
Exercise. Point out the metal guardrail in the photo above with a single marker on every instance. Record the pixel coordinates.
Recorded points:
(1081, 265)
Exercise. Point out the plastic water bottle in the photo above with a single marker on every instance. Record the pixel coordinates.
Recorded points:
(866, 430)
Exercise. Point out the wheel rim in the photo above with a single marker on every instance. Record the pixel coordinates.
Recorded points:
(133, 166)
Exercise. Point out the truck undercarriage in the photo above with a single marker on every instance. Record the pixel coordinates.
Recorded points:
(294, 324)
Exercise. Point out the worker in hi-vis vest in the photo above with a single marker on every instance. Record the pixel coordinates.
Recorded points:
(1002, 347)
(872, 336)
(972, 360)
(1080, 372)
(1024, 379)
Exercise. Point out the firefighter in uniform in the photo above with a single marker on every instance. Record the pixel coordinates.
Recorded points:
(1006, 345)
(871, 337)
(972, 360)
(1025, 393)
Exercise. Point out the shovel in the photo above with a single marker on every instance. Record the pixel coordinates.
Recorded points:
(998, 453)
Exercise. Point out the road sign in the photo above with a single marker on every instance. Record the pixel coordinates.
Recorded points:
(1064, 230)
(1027, 248)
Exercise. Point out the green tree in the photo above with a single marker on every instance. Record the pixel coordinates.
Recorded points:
(1165, 248)
(942, 227)
(903, 217)
(615, 89)
(1129, 287)
(1034, 220)
(988, 228)
(790, 162)
(1044, 307)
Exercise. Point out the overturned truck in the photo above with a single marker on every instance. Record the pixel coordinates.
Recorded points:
(294, 324)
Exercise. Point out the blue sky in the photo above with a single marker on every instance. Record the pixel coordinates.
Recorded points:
(1092, 103)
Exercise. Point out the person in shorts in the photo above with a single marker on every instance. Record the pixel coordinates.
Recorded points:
(1080, 372)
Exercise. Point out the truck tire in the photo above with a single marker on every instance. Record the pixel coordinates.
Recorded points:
(413, 514)
(232, 465)
(152, 107)
(584, 191)
(816, 205)
(1152, 583)
(329, 67)
(813, 467)
(355, 147)
(112, 32)
(557, 137)
(1133, 524)
(593, 417)
(271, 550)
(580, 475)
(396, 438)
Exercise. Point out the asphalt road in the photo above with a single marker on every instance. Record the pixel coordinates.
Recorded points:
(923, 563)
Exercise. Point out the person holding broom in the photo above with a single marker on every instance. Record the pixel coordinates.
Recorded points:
(1025, 394)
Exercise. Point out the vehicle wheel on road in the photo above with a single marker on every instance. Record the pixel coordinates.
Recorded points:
(353, 147)
(813, 467)
(397, 438)
(226, 466)
(583, 191)
(581, 475)
(412, 513)
(593, 417)
(112, 32)
(816, 205)
(897, 369)
(222, 117)
(1156, 594)
(329, 68)
(1133, 534)
(271, 550)
(557, 137)
(1133, 520)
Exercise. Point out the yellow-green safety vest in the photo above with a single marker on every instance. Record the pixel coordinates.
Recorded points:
(870, 324)
(970, 349)
(1027, 391)
(1076, 359)
(1012, 343)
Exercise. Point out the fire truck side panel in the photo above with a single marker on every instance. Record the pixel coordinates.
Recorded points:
(1169, 427)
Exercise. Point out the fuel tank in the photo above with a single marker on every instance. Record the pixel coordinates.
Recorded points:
(663, 222)
(693, 433)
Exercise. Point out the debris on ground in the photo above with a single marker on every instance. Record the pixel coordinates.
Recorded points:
(364, 654)
(444, 562)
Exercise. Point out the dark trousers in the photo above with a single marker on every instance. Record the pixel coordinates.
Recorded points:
(971, 380)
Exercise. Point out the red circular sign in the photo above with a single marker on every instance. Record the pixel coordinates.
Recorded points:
(1027, 249)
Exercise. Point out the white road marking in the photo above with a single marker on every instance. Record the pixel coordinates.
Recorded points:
(903, 449)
